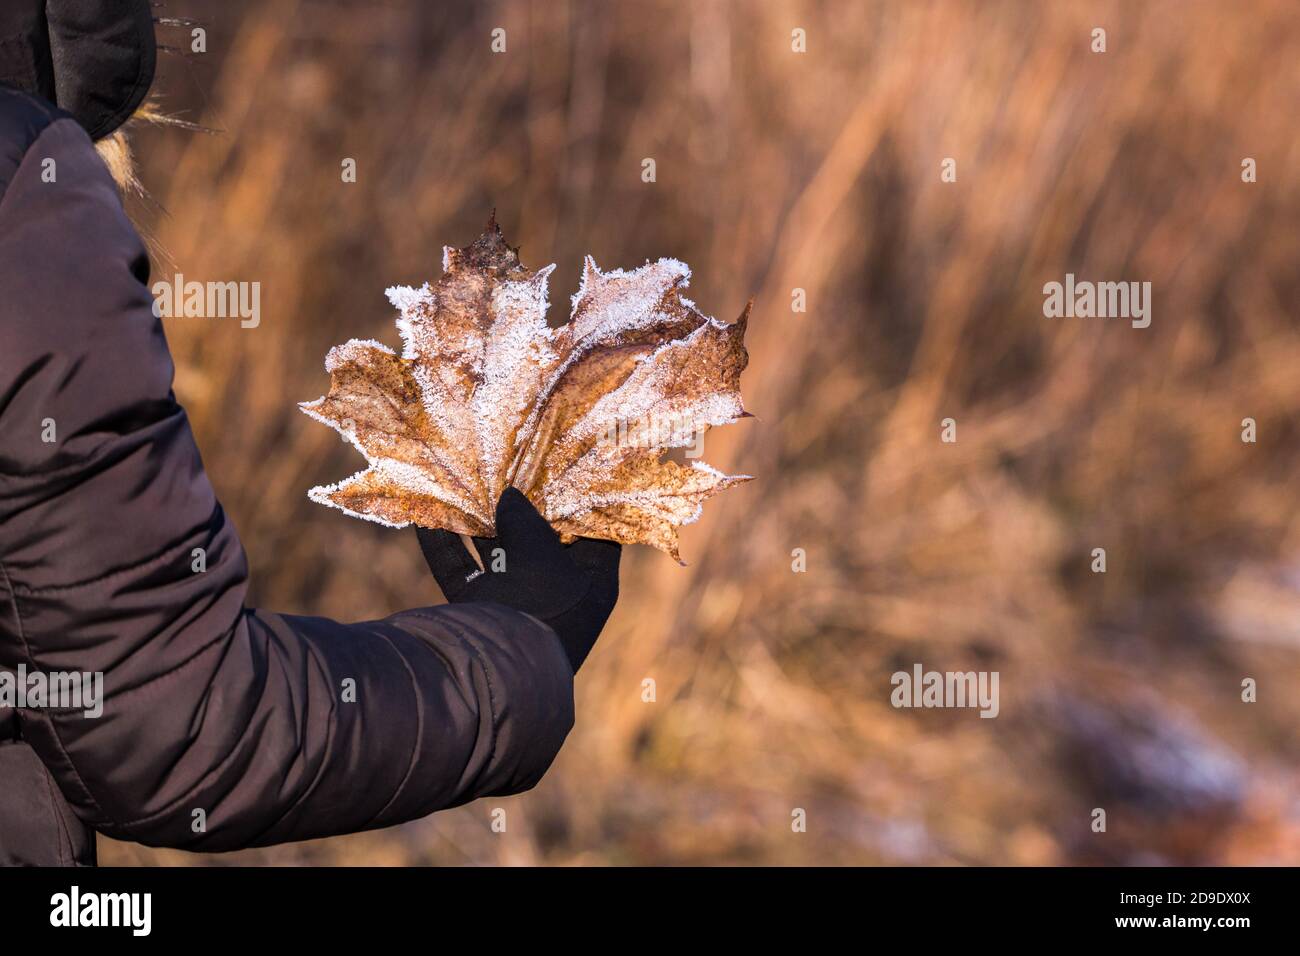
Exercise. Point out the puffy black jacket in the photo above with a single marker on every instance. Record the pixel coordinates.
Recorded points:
(209, 705)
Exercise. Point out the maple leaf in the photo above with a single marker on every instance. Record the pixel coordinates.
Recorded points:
(485, 395)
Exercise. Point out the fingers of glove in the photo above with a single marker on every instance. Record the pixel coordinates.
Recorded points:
(599, 558)
(448, 559)
(522, 529)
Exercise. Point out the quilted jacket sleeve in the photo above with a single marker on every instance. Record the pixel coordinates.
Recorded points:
(222, 726)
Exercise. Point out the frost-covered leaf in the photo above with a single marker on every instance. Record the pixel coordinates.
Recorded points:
(485, 395)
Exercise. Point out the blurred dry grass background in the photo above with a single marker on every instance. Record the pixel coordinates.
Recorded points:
(819, 171)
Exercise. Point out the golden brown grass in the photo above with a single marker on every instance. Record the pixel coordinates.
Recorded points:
(819, 171)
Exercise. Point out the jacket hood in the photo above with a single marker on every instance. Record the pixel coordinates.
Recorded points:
(93, 58)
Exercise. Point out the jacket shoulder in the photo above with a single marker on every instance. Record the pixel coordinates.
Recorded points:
(23, 118)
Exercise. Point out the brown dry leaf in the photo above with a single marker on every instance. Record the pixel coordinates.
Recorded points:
(486, 395)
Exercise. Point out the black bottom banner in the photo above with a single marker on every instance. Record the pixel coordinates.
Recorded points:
(211, 905)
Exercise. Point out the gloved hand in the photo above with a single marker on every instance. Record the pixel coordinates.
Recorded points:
(572, 588)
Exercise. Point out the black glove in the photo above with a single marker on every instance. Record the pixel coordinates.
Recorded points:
(571, 588)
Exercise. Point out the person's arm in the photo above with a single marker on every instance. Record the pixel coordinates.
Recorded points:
(222, 727)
